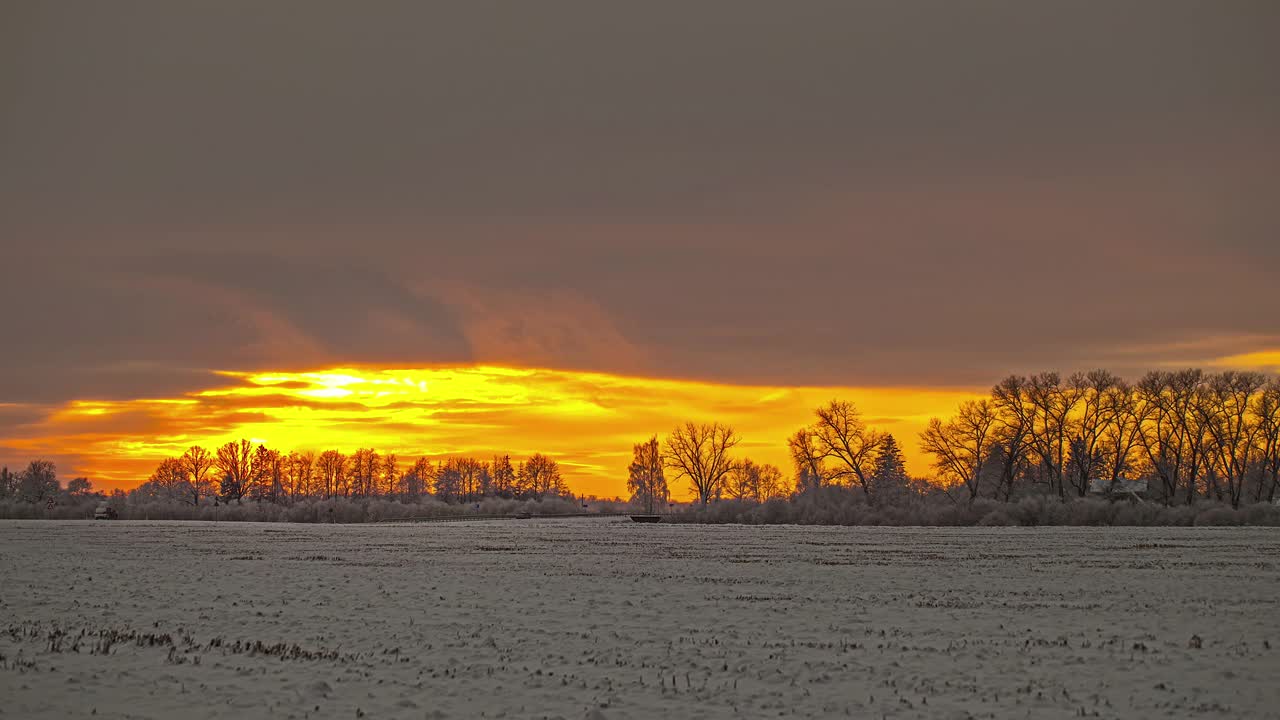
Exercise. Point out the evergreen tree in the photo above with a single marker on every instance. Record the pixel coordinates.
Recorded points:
(8, 483)
(889, 475)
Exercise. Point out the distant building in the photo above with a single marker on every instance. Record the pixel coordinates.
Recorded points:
(1119, 488)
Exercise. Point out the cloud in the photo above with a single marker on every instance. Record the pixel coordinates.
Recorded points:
(587, 420)
(839, 194)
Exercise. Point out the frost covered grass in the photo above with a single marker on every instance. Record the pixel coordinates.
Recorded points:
(599, 618)
(309, 510)
(838, 506)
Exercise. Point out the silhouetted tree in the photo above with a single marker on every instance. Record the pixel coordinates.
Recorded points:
(8, 483)
(390, 474)
(415, 482)
(1267, 412)
(844, 439)
(1087, 431)
(960, 445)
(169, 481)
(331, 470)
(198, 463)
(502, 476)
(539, 477)
(301, 474)
(889, 475)
(700, 452)
(269, 471)
(38, 482)
(645, 479)
(807, 457)
(1226, 408)
(235, 466)
(751, 481)
(363, 468)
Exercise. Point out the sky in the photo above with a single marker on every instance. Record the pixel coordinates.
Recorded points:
(703, 204)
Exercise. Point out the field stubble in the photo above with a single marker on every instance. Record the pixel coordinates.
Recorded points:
(609, 619)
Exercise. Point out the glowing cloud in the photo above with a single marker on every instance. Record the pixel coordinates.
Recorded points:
(588, 421)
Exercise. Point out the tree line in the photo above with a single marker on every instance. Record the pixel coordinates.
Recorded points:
(1189, 434)
(240, 470)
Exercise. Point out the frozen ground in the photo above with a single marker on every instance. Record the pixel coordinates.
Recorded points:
(600, 618)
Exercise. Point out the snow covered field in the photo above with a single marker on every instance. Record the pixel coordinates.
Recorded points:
(602, 618)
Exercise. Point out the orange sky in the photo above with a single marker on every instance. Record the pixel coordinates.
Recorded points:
(587, 421)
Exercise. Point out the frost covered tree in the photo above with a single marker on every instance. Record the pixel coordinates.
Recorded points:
(331, 472)
(1267, 412)
(700, 452)
(8, 483)
(502, 476)
(417, 480)
(169, 481)
(390, 474)
(301, 474)
(234, 462)
(198, 462)
(851, 446)
(751, 481)
(269, 472)
(539, 477)
(961, 446)
(38, 482)
(807, 458)
(364, 466)
(645, 479)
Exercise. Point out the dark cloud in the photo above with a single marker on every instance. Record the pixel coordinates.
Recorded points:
(854, 193)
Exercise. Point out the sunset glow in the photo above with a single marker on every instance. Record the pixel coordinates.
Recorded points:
(587, 421)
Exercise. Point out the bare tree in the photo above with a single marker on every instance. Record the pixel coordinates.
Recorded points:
(8, 483)
(700, 452)
(842, 437)
(363, 468)
(743, 481)
(390, 474)
(38, 482)
(414, 483)
(198, 462)
(471, 476)
(770, 484)
(301, 474)
(331, 469)
(1052, 403)
(961, 446)
(1224, 406)
(539, 476)
(1122, 435)
(1012, 436)
(645, 479)
(807, 458)
(502, 476)
(169, 481)
(269, 470)
(1089, 431)
(753, 481)
(448, 485)
(234, 462)
(1267, 413)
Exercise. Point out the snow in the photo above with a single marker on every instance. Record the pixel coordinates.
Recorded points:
(602, 618)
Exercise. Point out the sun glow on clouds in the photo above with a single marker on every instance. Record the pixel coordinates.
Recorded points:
(587, 421)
